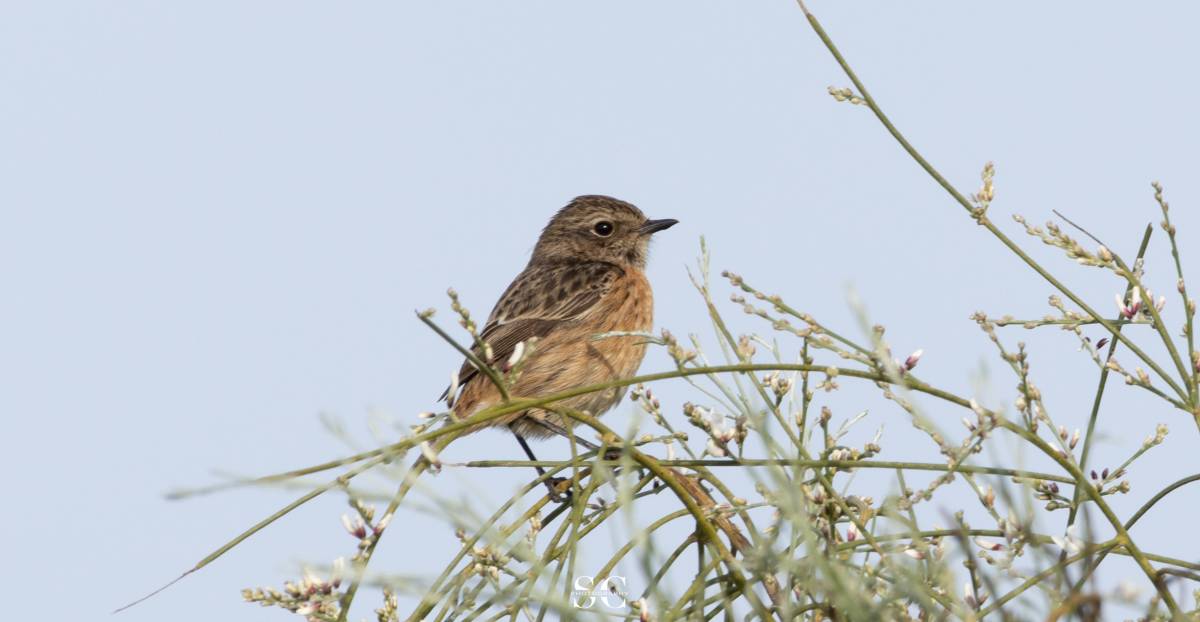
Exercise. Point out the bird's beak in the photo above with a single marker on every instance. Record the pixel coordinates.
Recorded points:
(652, 226)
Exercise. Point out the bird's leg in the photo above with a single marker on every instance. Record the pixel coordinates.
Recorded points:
(563, 432)
(553, 484)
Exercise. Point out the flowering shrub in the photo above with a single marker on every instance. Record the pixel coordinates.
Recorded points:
(762, 472)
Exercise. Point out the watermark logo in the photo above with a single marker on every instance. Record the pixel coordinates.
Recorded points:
(610, 591)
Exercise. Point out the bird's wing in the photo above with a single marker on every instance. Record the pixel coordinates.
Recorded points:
(538, 300)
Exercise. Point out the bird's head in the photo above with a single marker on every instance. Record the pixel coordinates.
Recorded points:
(598, 228)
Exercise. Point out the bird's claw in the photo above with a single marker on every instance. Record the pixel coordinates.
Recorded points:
(560, 489)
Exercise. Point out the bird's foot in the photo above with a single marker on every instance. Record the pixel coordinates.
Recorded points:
(613, 453)
(559, 489)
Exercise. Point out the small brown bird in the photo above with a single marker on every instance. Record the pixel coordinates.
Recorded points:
(585, 278)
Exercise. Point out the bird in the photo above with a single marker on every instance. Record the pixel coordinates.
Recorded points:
(585, 276)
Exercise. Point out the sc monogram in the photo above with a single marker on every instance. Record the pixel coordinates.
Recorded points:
(611, 592)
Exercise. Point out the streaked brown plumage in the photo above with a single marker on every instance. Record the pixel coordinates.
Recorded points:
(585, 277)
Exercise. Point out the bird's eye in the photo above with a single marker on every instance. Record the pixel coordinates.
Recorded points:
(603, 228)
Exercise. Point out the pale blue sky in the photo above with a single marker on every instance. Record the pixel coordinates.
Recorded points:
(218, 217)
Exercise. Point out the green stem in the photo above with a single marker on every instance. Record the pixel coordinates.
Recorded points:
(475, 360)
(1182, 286)
(1160, 327)
(262, 524)
(666, 565)
(1095, 414)
(364, 557)
(426, 604)
(707, 532)
(676, 611)
(518, 404)
(1134, 519)
(808, 464)
(1039, 577)
(1067, 322)
(1122, 533)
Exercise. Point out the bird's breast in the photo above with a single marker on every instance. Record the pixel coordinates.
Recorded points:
(628, 307)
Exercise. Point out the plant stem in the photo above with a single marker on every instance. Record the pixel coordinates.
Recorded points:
(1095, 414)
(809, 464)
